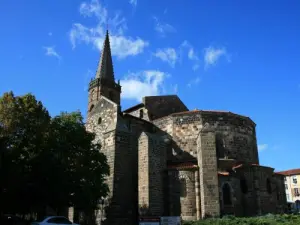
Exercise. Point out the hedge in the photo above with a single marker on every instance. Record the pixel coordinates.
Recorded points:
(286, 219)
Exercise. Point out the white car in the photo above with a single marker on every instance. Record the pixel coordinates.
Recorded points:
(54, 220)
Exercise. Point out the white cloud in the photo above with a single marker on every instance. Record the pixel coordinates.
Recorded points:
(133, 3)
(163, 28)
(262, 147)
(168, 55)
(50, 51)
(122, 46)
(191, 54)
(145, 83)
(212, 55)
(194, 82)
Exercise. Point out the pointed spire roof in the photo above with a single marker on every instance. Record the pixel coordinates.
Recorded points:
(105, 67)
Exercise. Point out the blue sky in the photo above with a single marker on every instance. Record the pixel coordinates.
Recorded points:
(240, 56)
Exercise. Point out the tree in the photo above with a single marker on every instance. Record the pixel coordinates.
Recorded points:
(78, 164)
(23, 122)
(47, 161)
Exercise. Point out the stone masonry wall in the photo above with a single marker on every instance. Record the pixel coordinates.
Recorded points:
(235, 135)
(209, 183)
(151, 166)
(122, 204)
(103, 118)
(183, 205)
(248, 199)
(137, 113)
(143, 171)
(281, 197)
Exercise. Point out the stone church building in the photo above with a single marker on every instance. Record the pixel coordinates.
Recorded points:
(167, 160)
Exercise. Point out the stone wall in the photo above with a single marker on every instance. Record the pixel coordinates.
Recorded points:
(155, 107)
(185, 182)
(278, 180)
(151, 166)
(103, 118)
(160, 106)
(186, 128)
(235, 135)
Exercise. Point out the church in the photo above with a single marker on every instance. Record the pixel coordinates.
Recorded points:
(167, 160)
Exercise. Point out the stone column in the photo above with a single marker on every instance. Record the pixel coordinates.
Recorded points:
(197, 191)
(209, 183)
(257, 194)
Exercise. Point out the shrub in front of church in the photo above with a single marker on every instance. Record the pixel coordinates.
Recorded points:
(286, 219)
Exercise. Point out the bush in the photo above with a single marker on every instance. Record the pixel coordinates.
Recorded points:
(268, 219)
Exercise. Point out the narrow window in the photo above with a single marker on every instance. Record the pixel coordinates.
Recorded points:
(91, 108)
(182, 184)
(99, 120)
(244, 186)
(141, 113)
(226, 190)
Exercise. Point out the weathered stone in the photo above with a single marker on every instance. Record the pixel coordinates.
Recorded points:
(166, 160)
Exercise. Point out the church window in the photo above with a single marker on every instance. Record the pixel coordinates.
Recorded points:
(182, 184)
(244, 186)
(269, 186)
(141, 113)
(91, 108)
(226, 191)
(99, 120)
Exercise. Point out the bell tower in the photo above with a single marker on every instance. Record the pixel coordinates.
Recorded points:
(104, 82)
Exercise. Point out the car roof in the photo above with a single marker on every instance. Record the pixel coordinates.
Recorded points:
(50, 217)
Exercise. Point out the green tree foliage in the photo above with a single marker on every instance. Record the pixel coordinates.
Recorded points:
(285, 219)
(47, 161)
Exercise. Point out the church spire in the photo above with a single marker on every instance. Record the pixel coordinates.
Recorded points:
(105, 69)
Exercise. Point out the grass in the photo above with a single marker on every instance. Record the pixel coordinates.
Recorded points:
(285, 219)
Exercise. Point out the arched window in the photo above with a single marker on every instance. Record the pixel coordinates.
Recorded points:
(244, 186)
(226, 191)
(182, 185)
(99, 120)
(269, 186)
(91, 108)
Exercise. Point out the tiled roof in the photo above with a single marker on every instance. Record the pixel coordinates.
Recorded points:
(185, 165)
(289, 172)
(224, 173)
(134, 107)
(241, 165)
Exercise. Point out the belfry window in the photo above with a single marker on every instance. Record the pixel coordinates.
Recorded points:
(226, 191)
(182, 185)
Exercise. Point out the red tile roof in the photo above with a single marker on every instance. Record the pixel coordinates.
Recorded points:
(224, 173)
(186, 165)
(241, 165)
(289, 172)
